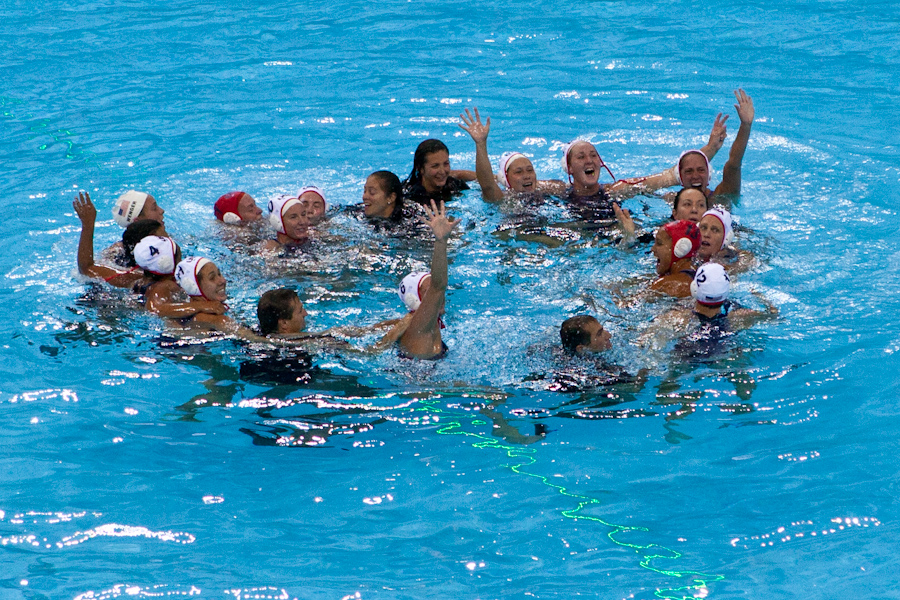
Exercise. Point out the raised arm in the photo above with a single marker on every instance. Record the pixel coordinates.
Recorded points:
(490, 191)
(423, 336)
(87, 213)
(626, 188)
(731, 172)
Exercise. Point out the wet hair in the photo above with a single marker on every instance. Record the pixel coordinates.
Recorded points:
(425, 148)
(274, 306)
(572, 333)
(390, 184)
(133, 235)
(678, 198)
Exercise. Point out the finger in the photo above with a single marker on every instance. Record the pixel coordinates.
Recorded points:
(724, 119)
(488, 123)
(477, 116)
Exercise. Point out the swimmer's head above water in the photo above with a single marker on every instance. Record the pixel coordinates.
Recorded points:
(288, 216)
(200, 278)
(715, 232)
(517, 172)
(137, 231)
(134, 205)
(584, 334)
(711, 285)
(281, 312)
(690, 204)
(157, 255)
(431, 165)
(235, 208)
(693, 170)
(412, 289)
(314, 200)
(383, 196)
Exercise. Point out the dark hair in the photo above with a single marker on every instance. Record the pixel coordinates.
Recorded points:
(274, 306)
(425, 148)
(678, 198)
(572, 332)
(390, 184)
(133, 235)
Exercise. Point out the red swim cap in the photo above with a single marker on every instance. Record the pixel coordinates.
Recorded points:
(226, 208)
(685, 239)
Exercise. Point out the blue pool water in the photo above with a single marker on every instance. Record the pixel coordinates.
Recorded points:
(135, 468)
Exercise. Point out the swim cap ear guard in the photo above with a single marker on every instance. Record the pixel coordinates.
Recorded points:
(409, 290)
(128, 207)
(685, 238)
(724, 218)
(678, 165)
(187, 275)
(226, 208)
(711, 285)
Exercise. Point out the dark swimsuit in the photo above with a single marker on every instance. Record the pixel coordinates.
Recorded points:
(417, 192)
(708, 340)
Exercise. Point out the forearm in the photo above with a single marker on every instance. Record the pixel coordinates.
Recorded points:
(490, 191)
(626, 188)
(439, 275)
(464, 175)
(736, 154)
(86, 248)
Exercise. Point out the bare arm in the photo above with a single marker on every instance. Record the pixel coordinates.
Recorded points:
(731, 172)
(87, 213)
(159, 301)
(423, 337)
(744, 318)
(490, 191)
(463, 174)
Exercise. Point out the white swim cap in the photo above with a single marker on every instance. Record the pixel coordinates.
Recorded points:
(409, 290)
(128, 207)
(678, 164)
(156, 254)
(725, 218)
(505, 161)
(277, 208)
(710, 285)
(314, 190)
(187, 272)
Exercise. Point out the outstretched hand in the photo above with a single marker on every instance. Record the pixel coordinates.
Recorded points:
(474, 127)
(744, 107)
(84, 208)
(436, 218)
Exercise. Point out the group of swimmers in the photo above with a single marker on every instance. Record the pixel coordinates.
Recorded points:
(694, 251)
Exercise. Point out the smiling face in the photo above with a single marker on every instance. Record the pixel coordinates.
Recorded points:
(694, 171)
(584, 164)
(435, 170)
(691, 204)
(152, 210)
(712, 236)
(376, 201)
(296, 222)
(212, 283)
(521, 176)
(248, 211)
(662, 250)
(315, 207)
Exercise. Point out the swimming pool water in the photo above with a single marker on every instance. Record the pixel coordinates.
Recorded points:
(132, 467)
